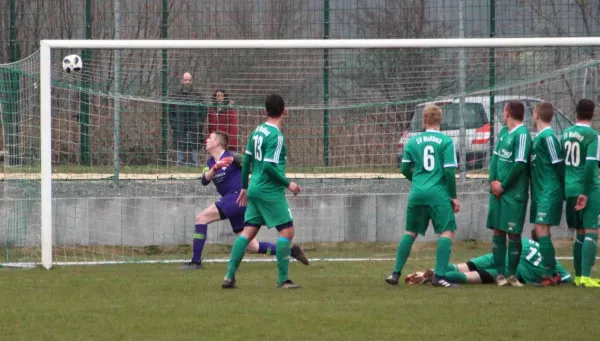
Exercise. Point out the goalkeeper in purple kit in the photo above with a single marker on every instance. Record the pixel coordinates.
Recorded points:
(225, 172)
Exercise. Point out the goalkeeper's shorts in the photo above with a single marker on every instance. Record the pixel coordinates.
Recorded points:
(229, 209)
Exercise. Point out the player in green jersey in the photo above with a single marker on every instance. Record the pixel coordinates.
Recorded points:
(547, 176)
(429, 161)
(509, 183)
(264, 197)
(582, 190)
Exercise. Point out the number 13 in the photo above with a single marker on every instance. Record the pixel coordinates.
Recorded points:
(258, 140)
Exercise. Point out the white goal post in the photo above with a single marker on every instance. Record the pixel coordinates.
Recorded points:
(46, 47)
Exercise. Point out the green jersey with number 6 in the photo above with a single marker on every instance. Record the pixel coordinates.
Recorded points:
(430, 152)
(580, 143)
(266, 144)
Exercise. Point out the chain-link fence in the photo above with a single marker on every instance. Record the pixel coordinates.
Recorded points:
(24, 23)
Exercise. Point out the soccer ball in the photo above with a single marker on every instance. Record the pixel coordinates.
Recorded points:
(72, 63)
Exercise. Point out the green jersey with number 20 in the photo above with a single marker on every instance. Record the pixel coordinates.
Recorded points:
(580, 143)
(429, 152)
(266, 144)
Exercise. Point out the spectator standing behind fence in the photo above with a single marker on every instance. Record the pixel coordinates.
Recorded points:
(223, 117)
(187, 122)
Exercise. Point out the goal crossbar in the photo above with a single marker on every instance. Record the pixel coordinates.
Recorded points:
(46, 82)
(323, 43)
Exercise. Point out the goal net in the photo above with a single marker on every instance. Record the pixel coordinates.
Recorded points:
(103, 165)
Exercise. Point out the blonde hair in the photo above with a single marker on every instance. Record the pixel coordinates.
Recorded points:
(432, 114)
(545, 111)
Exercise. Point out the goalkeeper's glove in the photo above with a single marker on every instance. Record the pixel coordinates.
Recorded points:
(225, 162)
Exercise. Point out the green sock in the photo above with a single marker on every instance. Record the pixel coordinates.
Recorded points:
(237, 253)
(499, 252)
(588, 254)
(577, 247)
(451, 267)
(548, 256)
(403, 252)
(456, 277)
(442, 256)
(514, 253)
(282, 251)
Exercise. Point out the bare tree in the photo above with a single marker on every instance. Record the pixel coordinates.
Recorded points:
(392, 74)
(549, 21)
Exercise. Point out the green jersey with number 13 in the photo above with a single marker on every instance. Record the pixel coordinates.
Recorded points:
(430, 152)
(266, 144)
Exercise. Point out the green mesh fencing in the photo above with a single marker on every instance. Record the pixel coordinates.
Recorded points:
(350, 113)
(344, 149)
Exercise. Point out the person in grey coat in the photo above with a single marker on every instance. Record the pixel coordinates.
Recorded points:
(187, 122)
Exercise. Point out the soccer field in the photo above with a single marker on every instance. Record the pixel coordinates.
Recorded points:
(338, 301)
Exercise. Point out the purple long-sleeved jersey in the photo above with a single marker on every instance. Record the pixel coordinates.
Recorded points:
(228, 180)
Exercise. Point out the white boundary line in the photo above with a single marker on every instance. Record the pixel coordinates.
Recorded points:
(218, 260)
(196, 176)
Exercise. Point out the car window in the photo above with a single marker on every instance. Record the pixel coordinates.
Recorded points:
(499, 111)
(475, 117)
(529, 106)
(559, 122)
(528, 120)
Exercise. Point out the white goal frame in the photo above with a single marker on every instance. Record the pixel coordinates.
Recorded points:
(46, 47)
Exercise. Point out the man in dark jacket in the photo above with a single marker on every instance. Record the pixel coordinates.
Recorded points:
(187, 122)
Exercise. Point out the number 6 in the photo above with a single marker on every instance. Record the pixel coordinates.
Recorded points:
(428, 160)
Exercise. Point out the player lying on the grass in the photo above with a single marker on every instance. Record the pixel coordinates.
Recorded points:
(582, 190)
(429, 162)
(482, 269)
(225, 172)
(265, 195)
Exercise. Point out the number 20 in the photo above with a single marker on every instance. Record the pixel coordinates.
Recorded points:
(572, 157)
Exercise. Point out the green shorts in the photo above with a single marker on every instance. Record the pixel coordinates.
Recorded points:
(485, 262)
(506, 214)
(589, 217)
(272, 211)
(418, 217)
(545, 211)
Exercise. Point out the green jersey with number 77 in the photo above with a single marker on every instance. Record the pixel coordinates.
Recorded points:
(266, 144)
(430, 152)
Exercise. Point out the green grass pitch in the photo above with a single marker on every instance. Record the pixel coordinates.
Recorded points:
(338, 301)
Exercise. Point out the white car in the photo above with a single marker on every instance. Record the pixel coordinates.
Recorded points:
(477, 124)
